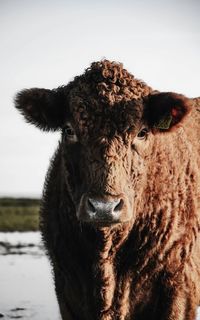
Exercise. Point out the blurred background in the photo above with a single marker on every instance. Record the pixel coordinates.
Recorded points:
(45, 44)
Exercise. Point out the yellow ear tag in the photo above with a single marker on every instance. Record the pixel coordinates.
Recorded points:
(164, 123)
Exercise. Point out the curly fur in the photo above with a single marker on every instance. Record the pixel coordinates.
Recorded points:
(148, 267)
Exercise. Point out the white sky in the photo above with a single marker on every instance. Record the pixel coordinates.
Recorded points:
(46, 43)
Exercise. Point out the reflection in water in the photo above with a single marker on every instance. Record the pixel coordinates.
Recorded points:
(26, 290)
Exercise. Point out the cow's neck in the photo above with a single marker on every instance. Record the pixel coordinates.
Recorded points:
(114, 274)
(107, 283)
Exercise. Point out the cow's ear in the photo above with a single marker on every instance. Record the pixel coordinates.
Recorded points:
(167, 110)
(46, 109)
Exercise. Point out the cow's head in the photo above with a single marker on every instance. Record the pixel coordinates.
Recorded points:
(108, 120)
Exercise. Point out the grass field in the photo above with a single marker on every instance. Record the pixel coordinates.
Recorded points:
(19, 214)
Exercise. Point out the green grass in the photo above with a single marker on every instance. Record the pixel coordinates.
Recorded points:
(19, 214)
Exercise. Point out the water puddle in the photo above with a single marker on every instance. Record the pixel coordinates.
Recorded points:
(26, 290)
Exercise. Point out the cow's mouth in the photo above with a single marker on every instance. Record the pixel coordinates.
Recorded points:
(100, 222)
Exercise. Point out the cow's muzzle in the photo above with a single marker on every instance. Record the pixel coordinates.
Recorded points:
(104, 210)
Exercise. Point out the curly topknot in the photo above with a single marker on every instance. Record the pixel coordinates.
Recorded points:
(117, 84)
(110, 81)
(106, 89)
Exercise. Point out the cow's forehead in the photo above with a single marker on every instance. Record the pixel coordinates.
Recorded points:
(106, 98)
(98, 118)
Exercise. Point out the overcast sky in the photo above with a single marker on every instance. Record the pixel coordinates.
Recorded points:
(47, 43)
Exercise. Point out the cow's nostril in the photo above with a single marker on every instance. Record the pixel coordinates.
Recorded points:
(90, 205)
(119, 205)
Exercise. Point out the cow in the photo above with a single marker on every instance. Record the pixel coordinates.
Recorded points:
(120, 213)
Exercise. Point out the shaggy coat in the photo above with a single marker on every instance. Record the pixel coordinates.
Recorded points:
(120, 215)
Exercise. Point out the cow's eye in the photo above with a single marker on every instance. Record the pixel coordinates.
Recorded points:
(69, 133)
(143, 133)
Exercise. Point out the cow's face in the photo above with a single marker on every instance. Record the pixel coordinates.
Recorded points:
(104, 149)
(106, 141)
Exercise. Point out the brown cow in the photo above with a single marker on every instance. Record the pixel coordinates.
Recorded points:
(120, 211)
